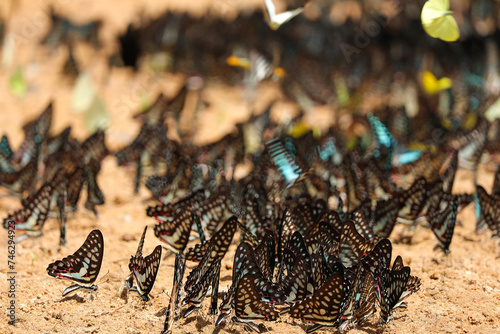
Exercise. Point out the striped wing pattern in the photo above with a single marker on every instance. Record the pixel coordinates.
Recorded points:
(83, 266)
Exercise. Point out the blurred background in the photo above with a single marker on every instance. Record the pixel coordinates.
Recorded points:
(103, 61)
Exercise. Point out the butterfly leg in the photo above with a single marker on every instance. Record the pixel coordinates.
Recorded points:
(138, 175)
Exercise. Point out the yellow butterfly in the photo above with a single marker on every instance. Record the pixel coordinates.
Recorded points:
(438, 22)
(432, 85)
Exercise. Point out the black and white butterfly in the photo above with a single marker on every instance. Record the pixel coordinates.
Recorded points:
(248, 305)
(176, 232)
(324, 305)
(180, 267)
(391, 288)
(489, 209)
(83, 266)
(144, 269)
(443, 224)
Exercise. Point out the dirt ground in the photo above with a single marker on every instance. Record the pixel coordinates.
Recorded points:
(460, 291)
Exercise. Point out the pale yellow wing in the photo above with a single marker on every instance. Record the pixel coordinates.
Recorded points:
(438, 22)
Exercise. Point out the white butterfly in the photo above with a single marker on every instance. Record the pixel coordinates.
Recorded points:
(276, 20)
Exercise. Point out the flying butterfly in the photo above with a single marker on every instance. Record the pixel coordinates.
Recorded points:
(83, 266)
(438, 22)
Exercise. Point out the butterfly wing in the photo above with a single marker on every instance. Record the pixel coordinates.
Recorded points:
(83, 266)
(438, 22)
(175, 233)
(248, 303)
(145, 270)
(324, 305)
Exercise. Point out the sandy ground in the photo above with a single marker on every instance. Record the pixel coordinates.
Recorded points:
(460, 292)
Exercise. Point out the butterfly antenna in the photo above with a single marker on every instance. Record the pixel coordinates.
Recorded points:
(103, 278)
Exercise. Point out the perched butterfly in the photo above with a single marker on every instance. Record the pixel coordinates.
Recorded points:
(249, 306)
(294, 284)
(361, 302)
(144, 269)
(198, 292)
(176, 232)
(83, 266)
(386, 215)
(352, 245)
(285, 162)
(265, 255)
(220, 242)
(413, 284)
(438, 22)
(489, 209)
(443, 224)
(36, 208)
(180, 267)
(164, 212)
(324, 305)
(392, 285)
(384, 139)
(129, 282)
(432, 85)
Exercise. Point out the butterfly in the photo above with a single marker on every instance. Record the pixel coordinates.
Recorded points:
(324, 305)
(180, 267)
(144, 269)
(249, 306)
(285, 162)
(352, 245)
(83, 266)
(265, 255)
(438, 22)
(129, 281)
(37, 207)
(361, 302)
(386, 215)
(432, 85)
(391, 287)
(413, 284)
(22, 179)
(414, 199)
(164, 212)
(220, 242)
(443, 224)
(198, 292)
(489, 209)
(276, 20)
(94, 193)
(176, 232)
(385, 142)
(379, 257)
(294, 284)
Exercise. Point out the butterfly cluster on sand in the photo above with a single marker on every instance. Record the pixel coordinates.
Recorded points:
(48, 172)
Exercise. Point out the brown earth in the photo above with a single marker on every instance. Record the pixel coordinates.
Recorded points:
(460, 292)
